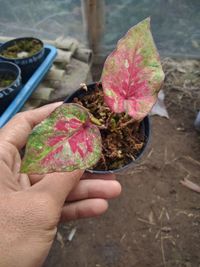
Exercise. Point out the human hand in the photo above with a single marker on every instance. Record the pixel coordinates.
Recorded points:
(32, 206)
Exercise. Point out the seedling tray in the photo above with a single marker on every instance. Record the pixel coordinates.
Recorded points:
(28, 88)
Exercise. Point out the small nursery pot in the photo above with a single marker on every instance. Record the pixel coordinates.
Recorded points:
(21, 51)
(145, 127)
(10, 83)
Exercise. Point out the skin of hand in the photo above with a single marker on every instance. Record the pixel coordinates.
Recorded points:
(32, 206)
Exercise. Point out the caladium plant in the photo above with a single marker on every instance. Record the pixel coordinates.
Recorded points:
(65, 141)
(132, 73)
(68, 139)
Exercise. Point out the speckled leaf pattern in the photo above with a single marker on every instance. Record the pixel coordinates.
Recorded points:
(132, 73)
(65, 141)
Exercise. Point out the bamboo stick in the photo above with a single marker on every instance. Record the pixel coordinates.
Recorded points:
(84, 54)
(55, 74)
(94, 22)
(42, 93)
(63, 56)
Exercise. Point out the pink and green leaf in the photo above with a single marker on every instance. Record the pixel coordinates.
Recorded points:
(132, 73)
(65, 141)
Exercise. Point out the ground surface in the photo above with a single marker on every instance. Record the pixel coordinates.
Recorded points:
(156, 220)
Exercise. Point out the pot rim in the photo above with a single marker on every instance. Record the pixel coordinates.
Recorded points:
(18, 76)
(5, 45)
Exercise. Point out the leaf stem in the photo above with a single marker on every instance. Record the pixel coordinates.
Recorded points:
(94, 120)
(97, 122)
(109, 118)
(123, 125)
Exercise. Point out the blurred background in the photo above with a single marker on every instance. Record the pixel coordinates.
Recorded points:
(175, 23)
(156, 220)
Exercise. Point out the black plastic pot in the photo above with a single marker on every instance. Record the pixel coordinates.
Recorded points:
(8, 93)
(145, 127)
(27, 64)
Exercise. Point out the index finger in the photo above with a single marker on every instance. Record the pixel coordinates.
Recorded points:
(17, 130)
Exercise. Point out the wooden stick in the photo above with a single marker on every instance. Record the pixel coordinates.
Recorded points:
(94, 21)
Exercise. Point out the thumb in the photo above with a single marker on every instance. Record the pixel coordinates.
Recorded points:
(58, 185)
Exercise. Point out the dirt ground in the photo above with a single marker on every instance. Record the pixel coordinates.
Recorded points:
(156, 220)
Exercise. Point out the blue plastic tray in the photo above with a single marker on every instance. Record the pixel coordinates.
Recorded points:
(30, 85)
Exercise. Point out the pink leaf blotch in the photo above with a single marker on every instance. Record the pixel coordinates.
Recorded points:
(65, 141)
(132, 73)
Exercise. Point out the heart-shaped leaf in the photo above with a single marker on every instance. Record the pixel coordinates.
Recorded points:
(132, 74)
(65, 141)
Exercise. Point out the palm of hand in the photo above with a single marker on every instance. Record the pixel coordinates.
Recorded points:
(32, 206)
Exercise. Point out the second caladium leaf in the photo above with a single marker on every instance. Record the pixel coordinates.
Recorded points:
(132, 74)
(65, 141)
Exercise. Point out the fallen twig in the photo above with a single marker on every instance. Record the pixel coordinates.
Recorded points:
(71, 234)
(189, 184)
(191, 160)
(145, 221)
(60, 239)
